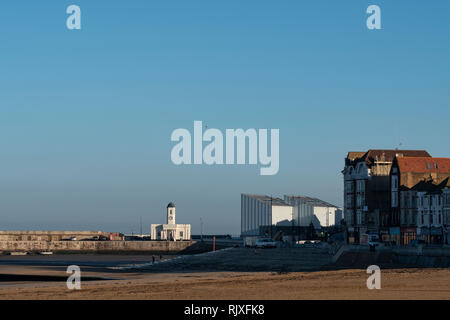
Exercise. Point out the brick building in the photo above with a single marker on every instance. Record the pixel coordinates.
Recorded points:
(367, 204)
(418, 199)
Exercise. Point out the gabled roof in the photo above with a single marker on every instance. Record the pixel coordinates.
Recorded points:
(352, 155)
(389, 155)
(445, 184)
(430, 186)
(424, 185)
(312, 201)
(424, 165)
(266, 199)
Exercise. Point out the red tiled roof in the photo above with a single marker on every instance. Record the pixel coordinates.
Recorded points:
(424, 164)
(389, 155)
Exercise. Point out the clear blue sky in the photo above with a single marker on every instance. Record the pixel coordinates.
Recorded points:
(86, 116)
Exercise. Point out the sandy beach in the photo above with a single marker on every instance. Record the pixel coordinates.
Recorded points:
(342, 284)
(236, 274)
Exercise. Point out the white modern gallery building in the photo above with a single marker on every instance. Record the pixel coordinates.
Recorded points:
(261, 210)
(294, 211)
(309, 210)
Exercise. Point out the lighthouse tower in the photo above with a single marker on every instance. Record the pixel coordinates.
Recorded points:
(171, 213)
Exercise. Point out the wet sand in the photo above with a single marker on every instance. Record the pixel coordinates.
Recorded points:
(342, 284)
(282, 275)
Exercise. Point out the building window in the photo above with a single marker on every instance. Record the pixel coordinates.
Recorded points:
(349, 202)
(394, 182)
(349, 186)
(394, 199)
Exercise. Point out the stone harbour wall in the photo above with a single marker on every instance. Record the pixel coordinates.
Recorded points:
(96, 246)
(52, 235)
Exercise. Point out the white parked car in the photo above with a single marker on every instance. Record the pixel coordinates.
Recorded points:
(265, 243)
